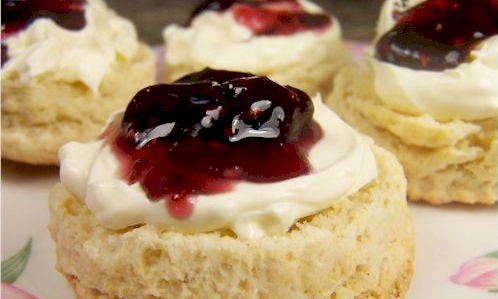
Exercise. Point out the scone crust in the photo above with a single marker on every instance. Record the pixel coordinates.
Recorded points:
(311, 73)
(453, 161)
(40, 115)
(361, 247)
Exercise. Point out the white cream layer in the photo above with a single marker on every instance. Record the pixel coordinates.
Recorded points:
(72, 56)
(216, 40)
(468, 92)
(342, 163)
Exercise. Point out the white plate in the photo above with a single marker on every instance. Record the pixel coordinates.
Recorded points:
(447, 237)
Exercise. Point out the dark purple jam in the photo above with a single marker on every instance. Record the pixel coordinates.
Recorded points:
(208, 130)
(269, 17)
(19, 14)
(438, 34)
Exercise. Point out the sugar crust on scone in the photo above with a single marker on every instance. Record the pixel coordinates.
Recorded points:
(452, 161)
(361, 247)
(40, 115)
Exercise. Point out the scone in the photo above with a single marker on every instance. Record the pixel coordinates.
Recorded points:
(228, 185)
(66, 65)
(427, 91)
(293, 42)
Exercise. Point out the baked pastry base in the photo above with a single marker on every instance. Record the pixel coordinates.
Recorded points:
(454, 161)
(40, 115)
(361, 247)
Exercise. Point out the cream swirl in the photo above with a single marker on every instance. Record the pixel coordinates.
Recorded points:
(342, 163)
(72, 55)
(468, 92)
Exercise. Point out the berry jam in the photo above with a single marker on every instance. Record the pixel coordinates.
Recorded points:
(269, 17)
(19, 14)
(438, 34)
(208, 130)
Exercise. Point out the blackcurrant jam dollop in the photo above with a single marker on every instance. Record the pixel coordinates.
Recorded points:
(208, 130)
(438, 34)
(270, 17)
(19, 14)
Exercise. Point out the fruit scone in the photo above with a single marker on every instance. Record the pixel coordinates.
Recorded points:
(427, 90)
(66, 65)
(293, 42)
(229, 185)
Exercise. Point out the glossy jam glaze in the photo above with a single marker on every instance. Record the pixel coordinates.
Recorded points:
(207, 130)
(270, 17)
(18, 14)
(438, 34)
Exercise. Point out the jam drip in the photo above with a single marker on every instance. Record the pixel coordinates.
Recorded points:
(270, 17)
(19, 14)
(438, 34)
(210, 129)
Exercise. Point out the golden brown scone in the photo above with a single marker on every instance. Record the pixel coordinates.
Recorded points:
(361, 247)
(454, 161)
(40, 115)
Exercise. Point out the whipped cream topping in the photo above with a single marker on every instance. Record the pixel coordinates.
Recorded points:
(342, 163)
(216, 40)
(72, 55)
(468, 92)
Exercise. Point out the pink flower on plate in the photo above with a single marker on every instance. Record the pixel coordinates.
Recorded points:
(480, 273)
(11, 292)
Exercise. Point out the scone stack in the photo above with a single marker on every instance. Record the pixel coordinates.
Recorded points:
(293, 42)
(66, 66)
(427, 91)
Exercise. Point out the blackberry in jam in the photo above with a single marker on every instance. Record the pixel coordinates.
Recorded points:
(19, 14)
(438, 34)
(269, 17)
(208, 130)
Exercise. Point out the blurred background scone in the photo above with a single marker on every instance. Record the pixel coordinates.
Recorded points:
(300, 206)
(65, 66)
(427, 91)
(293, 42)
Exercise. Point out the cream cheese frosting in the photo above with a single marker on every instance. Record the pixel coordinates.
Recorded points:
(72, 55)
(215, 39)
(342, 163)
(468, 92)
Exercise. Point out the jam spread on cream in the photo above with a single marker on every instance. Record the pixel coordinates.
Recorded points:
(19, 14)
(438, 34)
(271, 17)
(204, 132)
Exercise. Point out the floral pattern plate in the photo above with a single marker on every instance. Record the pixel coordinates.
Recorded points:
(457, 245)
